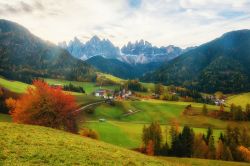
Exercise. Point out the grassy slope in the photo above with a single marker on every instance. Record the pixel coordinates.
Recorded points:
(112, 78)
(35, 145)
(20, 87)
(128, 134)
(89, 87)
(239, 99)
(14, 86)
(149, 86)
(128, 129)
(82, 99)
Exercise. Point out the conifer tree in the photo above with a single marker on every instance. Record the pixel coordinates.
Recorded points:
(204, 109)
(211, 148)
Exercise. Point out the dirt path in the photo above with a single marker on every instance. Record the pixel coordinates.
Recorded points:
(89, 105)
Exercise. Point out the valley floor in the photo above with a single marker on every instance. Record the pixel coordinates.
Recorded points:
(25, 144)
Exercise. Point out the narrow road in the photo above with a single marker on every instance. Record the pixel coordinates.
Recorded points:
(89, 105)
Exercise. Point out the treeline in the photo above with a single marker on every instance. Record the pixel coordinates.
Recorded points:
(172, 93)
(233, 145)
(134, 85)
(73, 88)
(236, 113)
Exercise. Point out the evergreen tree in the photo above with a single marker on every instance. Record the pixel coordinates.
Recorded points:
(165, 148)
(245, 138)
(211, 148)
(204, 109)
(200, 148)
(227, 155)
(153, 133)
(238, 114)
(232, 141)
(175, 142)
(187, 141)
(219, 150)
(232, 109)
(159, 89)
(209, 133)
(247, 112)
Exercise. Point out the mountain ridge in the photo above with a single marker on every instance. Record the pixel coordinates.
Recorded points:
(139, 52)
(209, 66)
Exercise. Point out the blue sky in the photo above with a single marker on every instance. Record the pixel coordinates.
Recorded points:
(135, 3)
(162, 22)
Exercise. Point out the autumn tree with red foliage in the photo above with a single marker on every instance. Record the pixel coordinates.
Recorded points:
(46, 106)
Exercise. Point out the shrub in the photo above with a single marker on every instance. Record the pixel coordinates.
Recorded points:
(89, 133)
(245, 152)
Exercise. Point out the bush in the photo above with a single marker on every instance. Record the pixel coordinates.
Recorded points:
(45, 106)
(85, 132)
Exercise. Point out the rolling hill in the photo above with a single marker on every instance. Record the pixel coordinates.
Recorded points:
(45, 146)
(219, 65)
(24, 56)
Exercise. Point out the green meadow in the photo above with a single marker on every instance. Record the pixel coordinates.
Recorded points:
(36, 145)
(240, 99)
(125, 130)
(14, 86)
(128, 134)
(89, 87)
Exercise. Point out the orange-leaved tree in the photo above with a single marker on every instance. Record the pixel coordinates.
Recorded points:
(46, 106)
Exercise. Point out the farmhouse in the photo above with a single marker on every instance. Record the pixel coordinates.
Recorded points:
(105, 93)
(124, 94)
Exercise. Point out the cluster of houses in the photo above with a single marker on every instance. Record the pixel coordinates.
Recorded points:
(110, 94)
(104, 93)
(217, 101)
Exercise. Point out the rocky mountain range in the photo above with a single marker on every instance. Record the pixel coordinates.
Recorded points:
(140, 52)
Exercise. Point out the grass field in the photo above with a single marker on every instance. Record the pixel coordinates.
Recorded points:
(82, 99)
(241, 99)
(128, 129)
(147, 111)
(112, 78)
(5, 118)
(14, 86)
(89, 87)
(128, 134)
(35, 145)
(149, 86)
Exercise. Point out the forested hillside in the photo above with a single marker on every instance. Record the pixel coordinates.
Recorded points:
(25, 56)
(220, 65)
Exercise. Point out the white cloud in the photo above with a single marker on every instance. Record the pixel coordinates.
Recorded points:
(162, 22)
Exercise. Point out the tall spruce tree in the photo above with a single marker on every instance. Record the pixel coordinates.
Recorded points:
(187, 141)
